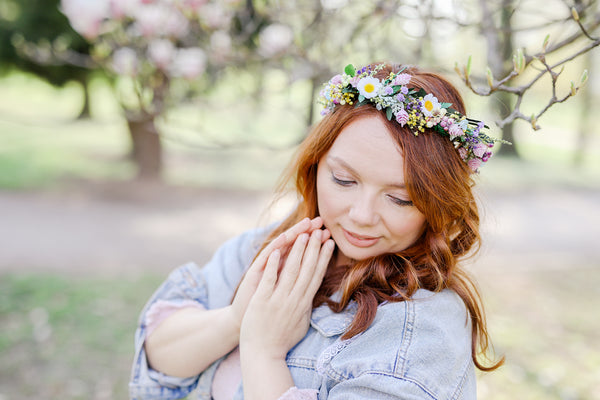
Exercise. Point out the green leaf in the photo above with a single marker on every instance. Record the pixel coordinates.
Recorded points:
(349, 70)
(468, 68)
(361, 98)
(445, 105)
(388, 113)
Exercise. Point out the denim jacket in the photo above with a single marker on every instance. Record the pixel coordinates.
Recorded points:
(416, 349)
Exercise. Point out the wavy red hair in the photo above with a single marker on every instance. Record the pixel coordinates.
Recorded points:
(439, 184)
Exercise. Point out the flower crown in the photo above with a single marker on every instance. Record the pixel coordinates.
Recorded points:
(411, 107)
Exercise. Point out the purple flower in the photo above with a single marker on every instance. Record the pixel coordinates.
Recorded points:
(402, 117)
(388, 90)
(404, 90)
(400, 97)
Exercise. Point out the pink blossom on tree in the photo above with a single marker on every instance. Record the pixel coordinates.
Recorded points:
(86, 16)
(189, 63)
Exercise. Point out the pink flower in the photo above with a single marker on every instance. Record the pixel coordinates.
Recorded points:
(455, 131)
(336, 80)
(402, 117)
(86, 16)
(474, 164)
(161, 52)
(161, 19)
(123, 8)
(189, 63)
(462, 152)
(401, 79)
(124, 61)
(480, 149)
(274, 40)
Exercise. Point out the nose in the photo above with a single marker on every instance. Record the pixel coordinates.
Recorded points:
(363, 211)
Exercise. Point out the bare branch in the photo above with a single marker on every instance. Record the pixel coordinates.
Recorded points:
(523, 62)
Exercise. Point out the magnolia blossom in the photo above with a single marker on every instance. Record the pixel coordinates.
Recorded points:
(86, 16)
(125, 8)
(161, 20)
(220, 45)
(161, 52)
(214, 16)
(190, 5)
(124, 61)
(189, 63)
(274, 39)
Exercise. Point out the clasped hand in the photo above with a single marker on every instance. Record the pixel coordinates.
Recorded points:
(274, 301)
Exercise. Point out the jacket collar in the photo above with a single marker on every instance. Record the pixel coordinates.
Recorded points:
(329, 323)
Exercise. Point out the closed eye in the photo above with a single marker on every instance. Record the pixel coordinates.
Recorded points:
(341, 182)
(399, 201)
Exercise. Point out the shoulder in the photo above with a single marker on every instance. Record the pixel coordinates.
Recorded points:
(424, 342)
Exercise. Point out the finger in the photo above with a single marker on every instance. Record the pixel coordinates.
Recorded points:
(269, 278)
(325, 235)
(316, 223)
(282, 241)
(293, 261)
(320, 269)
(309, 261)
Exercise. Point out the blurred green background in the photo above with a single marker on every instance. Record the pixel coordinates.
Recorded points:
(84, 242)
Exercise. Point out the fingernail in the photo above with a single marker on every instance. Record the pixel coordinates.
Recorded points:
(317, 234)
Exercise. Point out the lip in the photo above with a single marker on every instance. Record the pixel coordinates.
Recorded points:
(360, 240)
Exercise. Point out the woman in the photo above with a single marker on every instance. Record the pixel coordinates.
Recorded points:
(359, 292)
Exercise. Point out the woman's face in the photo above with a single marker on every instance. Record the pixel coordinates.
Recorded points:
(361, 193)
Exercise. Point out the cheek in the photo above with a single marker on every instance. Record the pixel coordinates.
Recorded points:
(327, 201)
(409, 225)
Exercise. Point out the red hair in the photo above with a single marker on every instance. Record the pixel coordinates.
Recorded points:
(439, 184)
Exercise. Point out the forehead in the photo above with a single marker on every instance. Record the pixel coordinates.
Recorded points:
(367, 145)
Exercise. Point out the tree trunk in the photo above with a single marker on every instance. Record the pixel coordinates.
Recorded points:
(500, 48)
(505, 100)
(146, 148)
(504, 104)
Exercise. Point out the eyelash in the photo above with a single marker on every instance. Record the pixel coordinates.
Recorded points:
(395, 200)
(341, 182)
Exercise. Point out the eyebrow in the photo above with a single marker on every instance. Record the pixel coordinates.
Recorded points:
(353, 171)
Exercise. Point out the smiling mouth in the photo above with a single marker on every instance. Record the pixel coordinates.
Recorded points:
(360, 240)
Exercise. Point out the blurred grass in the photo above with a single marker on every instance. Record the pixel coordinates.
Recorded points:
(544, 322)
(69, 338)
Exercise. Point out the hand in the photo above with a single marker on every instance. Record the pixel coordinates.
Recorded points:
(251, 279)
(278, 314)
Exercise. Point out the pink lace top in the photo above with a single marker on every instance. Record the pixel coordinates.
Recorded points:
(228, 375)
